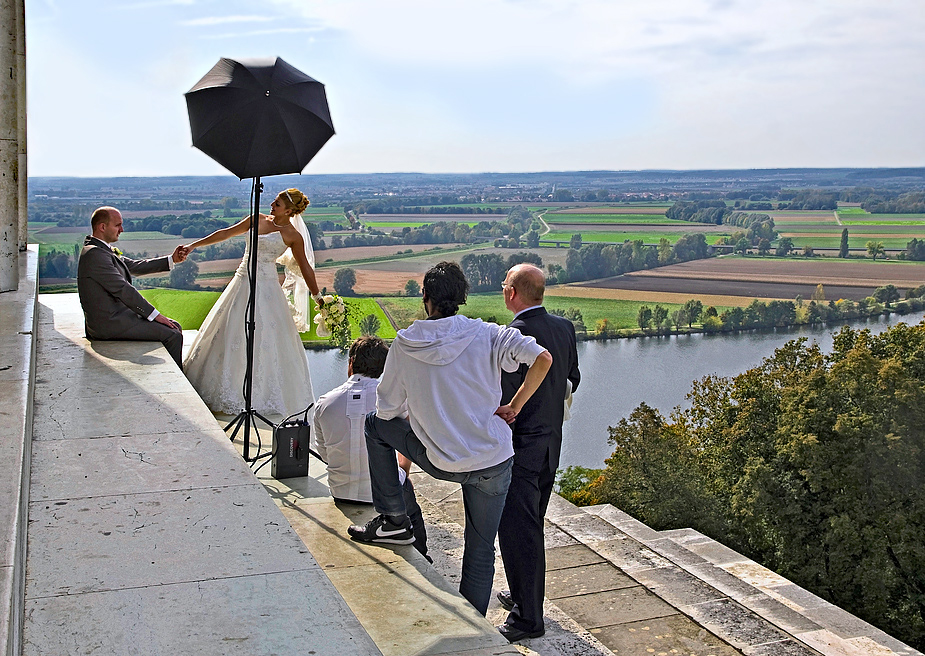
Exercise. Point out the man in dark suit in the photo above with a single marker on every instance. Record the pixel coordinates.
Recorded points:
(113, 308)
(537, 442)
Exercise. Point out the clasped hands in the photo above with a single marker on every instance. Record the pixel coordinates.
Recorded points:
(180, 253)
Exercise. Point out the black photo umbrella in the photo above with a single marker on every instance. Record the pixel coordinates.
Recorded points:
(257, 117)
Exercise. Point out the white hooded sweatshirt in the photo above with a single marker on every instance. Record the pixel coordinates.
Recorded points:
(448, 371)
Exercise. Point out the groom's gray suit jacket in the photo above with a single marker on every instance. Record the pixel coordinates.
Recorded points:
(113, 309)
(112, 306)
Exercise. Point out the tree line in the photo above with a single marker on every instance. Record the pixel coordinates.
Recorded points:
(591, 261)
(812, 464)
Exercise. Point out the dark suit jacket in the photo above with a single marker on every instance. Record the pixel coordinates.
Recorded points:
(538, 428)
(104, 283)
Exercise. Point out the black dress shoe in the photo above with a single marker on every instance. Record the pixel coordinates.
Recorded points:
(516, 635)
(504, 598)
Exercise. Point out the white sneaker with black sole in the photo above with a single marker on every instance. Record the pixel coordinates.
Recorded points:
(383, 529)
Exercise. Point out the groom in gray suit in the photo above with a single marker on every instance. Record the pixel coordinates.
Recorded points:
(113, 308)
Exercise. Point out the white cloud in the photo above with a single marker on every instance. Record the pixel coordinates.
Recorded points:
(223, 20)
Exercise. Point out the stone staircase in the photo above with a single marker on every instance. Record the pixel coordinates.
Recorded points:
(614, 585)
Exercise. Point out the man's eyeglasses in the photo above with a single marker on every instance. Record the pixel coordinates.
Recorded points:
(505, 285)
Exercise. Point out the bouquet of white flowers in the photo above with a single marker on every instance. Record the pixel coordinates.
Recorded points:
(331, 316)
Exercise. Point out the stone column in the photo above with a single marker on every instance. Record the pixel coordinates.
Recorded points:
(21, 124)
(9, 150)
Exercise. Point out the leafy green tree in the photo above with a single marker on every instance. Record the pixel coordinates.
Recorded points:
(183, 275)
(742, 246)
(659, 316)
(665, 251)
(572, 480)
(653, 473)
(886, 294)
(574, 266)
(644, 317)
(875, 248)
(344, 280)
(532, 239)
(369, 325)
(485, 271)
(575, 241)
(694, 310)
(520, 258)
(843, 248)
(412, 288)
(784, 247)
(229, 204)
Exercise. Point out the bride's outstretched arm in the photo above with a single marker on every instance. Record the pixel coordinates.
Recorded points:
(298, 252)
(238, 228)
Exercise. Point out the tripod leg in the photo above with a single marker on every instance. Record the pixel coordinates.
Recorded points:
(263, 419)
(237, 422)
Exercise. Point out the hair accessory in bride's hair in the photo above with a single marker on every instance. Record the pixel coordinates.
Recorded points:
(291, 202)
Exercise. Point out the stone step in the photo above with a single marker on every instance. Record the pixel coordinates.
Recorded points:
(404, 603)
(761, 597)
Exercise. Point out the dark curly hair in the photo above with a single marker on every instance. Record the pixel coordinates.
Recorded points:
(446, 287)
(368, 355)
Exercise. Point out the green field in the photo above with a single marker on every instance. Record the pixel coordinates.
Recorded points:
(311, 211)
(398, 225)
(490, 306)
(186, 307)
(66, 240)
(619, 236)
(597, 219)
(852, 211)
(190, 309)
(918, 219)
(860, 241)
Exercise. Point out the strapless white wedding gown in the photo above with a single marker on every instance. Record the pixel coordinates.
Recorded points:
(216, 361)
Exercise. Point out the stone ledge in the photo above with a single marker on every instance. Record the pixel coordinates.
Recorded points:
(148, 534)
(18, 318)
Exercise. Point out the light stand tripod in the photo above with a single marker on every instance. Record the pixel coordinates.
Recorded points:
(248, 415)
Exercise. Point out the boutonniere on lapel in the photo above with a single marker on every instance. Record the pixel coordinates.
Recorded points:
(115, 249)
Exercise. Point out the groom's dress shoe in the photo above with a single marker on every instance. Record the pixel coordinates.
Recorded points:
(505, 599)
(516, 635)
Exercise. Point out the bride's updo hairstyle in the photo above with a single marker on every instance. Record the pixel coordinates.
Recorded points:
(295, 200)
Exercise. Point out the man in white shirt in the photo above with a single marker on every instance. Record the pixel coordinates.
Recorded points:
(338, 433)
(446, 370)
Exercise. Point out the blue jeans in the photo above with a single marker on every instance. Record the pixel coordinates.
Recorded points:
(484, 492)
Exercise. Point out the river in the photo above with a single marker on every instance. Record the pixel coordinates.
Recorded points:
(617, 375)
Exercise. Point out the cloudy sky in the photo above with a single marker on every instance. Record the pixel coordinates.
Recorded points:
(493, 85)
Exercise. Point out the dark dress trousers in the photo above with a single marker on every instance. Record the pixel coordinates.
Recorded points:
(113, 308)
(537, 442)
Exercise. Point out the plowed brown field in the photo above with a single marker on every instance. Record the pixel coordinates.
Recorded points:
(612, 210)
(767, 278)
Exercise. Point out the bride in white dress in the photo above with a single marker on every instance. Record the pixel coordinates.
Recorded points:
(216, 361)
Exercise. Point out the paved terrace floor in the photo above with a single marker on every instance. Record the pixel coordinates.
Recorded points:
(147, 534)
